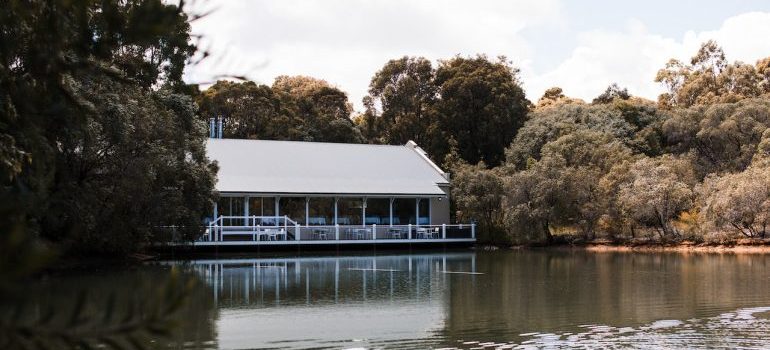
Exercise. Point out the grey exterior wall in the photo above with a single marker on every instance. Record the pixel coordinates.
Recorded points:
(439, 209)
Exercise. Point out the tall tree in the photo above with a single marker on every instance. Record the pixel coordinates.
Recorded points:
(404, 91)
(482, 106)
(611, 93)
(710, 79)
(90, 111)
(249, 110)
(294, 108)
(323, 109)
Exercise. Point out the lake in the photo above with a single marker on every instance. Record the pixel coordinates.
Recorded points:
(454, 299)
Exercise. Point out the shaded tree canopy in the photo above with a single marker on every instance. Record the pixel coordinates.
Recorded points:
(611, 93)
(294, 108)
(482, 106)
(405, 92)
(476, 102)
(553, 97)
(100, 149)
(709, 79)
(636, 123)
(724, 136)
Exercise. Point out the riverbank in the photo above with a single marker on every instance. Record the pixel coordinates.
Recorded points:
(741, 246)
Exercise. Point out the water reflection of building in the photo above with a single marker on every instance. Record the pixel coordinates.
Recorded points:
(332, 298)
(286, 281)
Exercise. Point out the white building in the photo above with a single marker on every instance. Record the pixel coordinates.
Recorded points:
(289, 192)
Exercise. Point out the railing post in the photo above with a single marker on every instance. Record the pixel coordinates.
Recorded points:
(337, 231)
(409, 232)
(473, 230)
(297, 233)
(443, 231)
(374, 231)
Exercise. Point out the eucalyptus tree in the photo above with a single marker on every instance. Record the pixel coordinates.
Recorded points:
(481, 106)
(657, 191)
(738, 202)
(725, 136)
(709, 78)
(323, 111)
(401, 99)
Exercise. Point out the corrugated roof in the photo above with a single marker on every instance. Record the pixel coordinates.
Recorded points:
(278, 167)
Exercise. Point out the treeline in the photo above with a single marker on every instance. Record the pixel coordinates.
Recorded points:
(692, 165)
(473, 104)
(101, 146)
(695, 165)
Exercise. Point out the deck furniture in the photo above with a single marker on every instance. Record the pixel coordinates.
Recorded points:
(426, 233)
(395, 232)
(358, 233)
(321, 233)
(271, 234)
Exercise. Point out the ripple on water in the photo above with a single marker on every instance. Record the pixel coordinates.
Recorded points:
(743, 328)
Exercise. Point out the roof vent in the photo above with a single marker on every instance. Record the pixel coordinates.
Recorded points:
(215, 128)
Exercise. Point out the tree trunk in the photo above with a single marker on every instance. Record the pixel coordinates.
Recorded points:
(547, 233)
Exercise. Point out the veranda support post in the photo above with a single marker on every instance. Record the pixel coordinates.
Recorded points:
(409, 231)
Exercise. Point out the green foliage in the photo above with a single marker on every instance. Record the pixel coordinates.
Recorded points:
(612, 93)
(294, 108)
(635, 123)
(740, 201)
(478, 193)
(482, 106)
(724, 136)
(658, 190)
(710, 79)
(99, 147)
(119, 322)
(477, 102)
(405, 90)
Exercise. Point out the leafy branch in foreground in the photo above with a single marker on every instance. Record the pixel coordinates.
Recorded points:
(117, 323)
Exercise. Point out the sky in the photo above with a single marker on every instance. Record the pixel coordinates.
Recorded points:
(580, 46)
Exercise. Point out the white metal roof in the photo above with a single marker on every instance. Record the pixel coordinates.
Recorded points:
(293, 167)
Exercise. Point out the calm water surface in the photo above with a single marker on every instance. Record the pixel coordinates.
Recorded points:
(465, 299)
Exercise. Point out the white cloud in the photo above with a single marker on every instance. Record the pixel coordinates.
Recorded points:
(346, 42)
(632, 57)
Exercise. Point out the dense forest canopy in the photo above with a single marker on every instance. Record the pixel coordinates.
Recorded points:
(618, 167)
(103, 144)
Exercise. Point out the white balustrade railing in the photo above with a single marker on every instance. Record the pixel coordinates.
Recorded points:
(257, 228)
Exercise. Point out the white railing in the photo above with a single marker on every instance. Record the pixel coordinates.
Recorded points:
(262, 228)
(270, 227)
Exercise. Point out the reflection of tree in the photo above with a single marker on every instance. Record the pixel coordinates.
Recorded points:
(128, 310)
(557, 291)
(112, 314)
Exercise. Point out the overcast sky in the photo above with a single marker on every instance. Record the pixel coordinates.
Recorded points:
(581, 46)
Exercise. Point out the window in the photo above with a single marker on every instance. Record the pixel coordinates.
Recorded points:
(403, 211)
(349, 211)
(424, 211)
(294, 208)
(321, 211)
(262, 206)
(230, 206)
(377, 211)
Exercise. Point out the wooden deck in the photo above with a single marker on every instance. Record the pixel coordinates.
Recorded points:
(333, 242)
